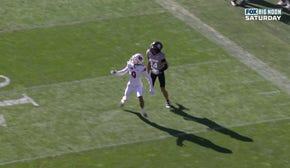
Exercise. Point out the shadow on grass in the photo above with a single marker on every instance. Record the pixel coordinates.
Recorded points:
(180, 110)
(285, 17)
(183, 136)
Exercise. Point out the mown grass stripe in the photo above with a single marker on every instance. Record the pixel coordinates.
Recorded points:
(140, 141)
(106, 77)
(79, 22)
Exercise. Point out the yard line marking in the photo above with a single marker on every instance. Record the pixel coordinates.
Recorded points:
(232, 48)
(2, 121)
(251, 81)
(269, 92)
(6, 81)
(139, 141)
(24, 100)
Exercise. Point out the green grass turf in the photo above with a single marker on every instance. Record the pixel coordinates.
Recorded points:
(64, 68)
(81, 51)
(267, 40)
(164, 152)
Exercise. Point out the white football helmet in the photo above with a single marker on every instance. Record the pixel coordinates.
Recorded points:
(137, 59)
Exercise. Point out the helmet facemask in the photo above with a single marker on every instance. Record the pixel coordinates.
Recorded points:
(156, 47)
(137, 59)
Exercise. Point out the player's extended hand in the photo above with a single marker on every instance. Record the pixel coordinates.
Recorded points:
(113, 72)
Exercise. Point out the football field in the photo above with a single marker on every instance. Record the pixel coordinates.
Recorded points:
(228, 81)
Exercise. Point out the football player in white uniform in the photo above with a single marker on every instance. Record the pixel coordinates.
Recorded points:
(136, 70)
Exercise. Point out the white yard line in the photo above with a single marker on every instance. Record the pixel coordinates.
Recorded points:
(232, 48)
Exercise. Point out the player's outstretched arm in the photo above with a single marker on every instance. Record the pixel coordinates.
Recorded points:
(120, 72)
(149, 80)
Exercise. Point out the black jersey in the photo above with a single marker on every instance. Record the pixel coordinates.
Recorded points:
(156, 61)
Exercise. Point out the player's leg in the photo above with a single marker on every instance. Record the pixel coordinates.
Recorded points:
(139, 92)
(282, 3)
(243, 3)
(141, 102)
(287, 4)
(127, 94)
(234, 2)
(153, 77)
(161, 78)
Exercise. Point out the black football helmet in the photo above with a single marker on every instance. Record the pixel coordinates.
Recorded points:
(157, 45)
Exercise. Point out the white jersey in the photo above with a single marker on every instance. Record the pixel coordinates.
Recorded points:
(136, 72)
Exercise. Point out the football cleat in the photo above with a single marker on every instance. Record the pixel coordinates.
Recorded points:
(113, 72)
(144, 114)
(168, 105)
(122, 103)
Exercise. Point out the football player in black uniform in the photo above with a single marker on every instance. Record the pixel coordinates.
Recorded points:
(157, 64)
(235, 3)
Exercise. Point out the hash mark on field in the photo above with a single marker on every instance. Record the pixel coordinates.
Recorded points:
(242, 55)
(269, 92)
(2, 121)
(251, 81)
